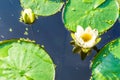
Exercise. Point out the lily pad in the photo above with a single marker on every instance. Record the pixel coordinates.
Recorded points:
(43, 7)
(24, 60)
(97, 14)
(106, 64)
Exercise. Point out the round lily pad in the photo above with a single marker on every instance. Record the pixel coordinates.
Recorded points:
(24, 60)
(98, 14)
(106, 64)
(42, 7)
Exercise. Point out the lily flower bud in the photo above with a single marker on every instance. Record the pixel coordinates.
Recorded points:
(27, 16)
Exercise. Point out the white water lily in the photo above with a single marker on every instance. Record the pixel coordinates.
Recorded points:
(85, 38)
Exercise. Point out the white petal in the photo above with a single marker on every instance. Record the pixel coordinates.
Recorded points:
(95, 32)
(88, 29)
(89, 44)
(28, 11)
(80, 30)
(92, 32)
(79, 41)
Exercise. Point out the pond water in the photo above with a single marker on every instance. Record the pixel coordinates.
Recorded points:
(50, 32)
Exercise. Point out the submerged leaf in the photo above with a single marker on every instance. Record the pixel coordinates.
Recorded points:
(25, 60)
(106, 64)
(98, 14)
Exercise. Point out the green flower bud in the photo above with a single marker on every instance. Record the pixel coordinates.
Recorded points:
(27, 16)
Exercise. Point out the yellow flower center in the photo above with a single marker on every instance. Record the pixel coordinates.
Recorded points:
(86, 37)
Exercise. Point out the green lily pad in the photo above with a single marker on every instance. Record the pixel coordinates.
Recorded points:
(106, 64)
(24, 60)
(97, 14)
(42, 7)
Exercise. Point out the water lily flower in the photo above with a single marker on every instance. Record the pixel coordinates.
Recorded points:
(85, 38)
(27, 16)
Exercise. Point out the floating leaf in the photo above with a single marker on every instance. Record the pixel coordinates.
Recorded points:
(24, 60)
(106, 64)
(42, 7)
(97, 14)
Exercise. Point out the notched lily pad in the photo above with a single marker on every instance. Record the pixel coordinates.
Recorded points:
(97, 14)
(106, 64)
(24, 60)
(42, 7)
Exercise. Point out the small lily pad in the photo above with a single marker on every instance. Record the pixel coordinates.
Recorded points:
(43, 7)
(97, 14)
(24, 60)
(106, 64)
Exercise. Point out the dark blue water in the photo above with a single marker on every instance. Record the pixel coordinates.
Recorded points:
(50, 32)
